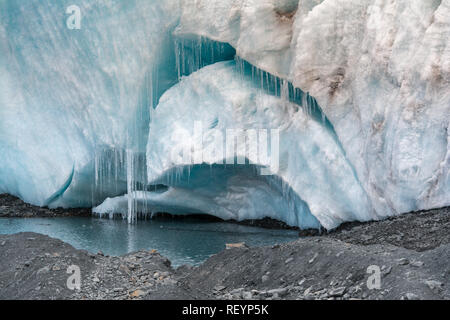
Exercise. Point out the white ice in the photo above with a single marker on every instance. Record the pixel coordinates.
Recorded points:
(380, 70)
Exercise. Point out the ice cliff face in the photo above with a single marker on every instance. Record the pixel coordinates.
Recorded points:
(98, 112)
(379, 69)
(68, 95)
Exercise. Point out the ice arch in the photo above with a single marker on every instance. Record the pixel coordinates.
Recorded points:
(315, 180)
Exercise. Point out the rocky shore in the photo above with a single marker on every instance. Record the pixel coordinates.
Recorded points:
(322, 267)
(13, 207)
(411, 253)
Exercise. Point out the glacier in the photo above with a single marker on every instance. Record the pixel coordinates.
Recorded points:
(379, 69)
(359, 91)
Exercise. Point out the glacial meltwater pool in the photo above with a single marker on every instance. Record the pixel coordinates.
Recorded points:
(186, 241)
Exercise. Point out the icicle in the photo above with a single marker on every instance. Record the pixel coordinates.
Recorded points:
(130, 190)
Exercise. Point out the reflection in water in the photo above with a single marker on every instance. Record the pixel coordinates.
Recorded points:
(187, 241)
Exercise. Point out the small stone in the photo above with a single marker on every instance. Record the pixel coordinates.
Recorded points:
(3, 243)
(411, 296)
(402, 261)
(434, 286)
(265, 278)
(241, 245)
(279, 292)
(417, 264)
(43, 270)
(96, 279)
(100, 253)
(338, 292)
(219, 288)
(367, 237)
(307, 291)
(289, 260)
(313, 258)
(237, 291)
(137, 293)
(247, 295)
(387, 270)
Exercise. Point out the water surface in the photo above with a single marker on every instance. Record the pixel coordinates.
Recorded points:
(186, 241)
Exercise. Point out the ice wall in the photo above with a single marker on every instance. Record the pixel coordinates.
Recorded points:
(73, 101)
(379, 69)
